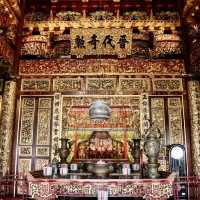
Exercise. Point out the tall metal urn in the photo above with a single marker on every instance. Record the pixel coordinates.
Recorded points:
(152, 150)
(64, 151)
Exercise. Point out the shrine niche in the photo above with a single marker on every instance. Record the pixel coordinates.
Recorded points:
(108, 137)
(100, 145)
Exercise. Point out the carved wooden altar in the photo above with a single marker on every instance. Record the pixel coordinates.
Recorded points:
(149, 189)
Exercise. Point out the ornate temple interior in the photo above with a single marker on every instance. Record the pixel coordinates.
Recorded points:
(100, 99)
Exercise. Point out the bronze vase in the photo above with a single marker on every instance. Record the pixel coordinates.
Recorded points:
(136, 151)
(64, 151)
(152, 150)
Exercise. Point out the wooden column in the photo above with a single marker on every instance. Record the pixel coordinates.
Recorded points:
(194, 101)
(6, 125)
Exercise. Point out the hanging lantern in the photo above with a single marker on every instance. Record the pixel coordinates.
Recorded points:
(99, 110)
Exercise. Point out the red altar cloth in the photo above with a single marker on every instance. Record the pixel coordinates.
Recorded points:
(150, 189)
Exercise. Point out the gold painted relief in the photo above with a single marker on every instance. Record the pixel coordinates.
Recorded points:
(27, 121)
(172, 84)
(40, 163)
(42, 151)
(24, 165)
(134, 84)
(44, 103)
(158, 118)
(123, 116)
(25, 151)
(175, 120)
(44, 121)
(35, 85)
(67, 84)
(101, 84)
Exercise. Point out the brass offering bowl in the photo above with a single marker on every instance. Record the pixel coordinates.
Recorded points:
(100, 169)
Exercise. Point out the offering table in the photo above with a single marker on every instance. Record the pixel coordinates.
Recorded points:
(75, 186)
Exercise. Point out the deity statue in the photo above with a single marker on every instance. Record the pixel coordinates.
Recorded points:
(100, 145)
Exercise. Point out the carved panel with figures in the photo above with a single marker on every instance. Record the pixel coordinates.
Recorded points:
(101, 84)
(24, 165)
(25, 150)
(35, 132)
(40, 163)
(172, 84)
(44, 121)
(67, 84)
(158, 118)
(123, 108)
(175, 120)
(101, 66)
(35, 85)
(42, 151)
(27, 121)
(134, 84)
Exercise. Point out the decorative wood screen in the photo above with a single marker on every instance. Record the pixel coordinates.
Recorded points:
(34, 140)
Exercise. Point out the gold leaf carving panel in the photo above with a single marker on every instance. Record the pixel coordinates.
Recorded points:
(40, 163)
(42, 151)
(160, 84)
(77, 117)
(25, 151)
(44, 121)
(134, 84)
(35, 85)
(24, 165)
(67, 84)
(101, 84)
(175, 120)
(27, 121)
(158, 118)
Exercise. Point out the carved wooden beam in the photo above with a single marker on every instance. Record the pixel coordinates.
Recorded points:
(10, 10)
(15, 6)
(6, 51)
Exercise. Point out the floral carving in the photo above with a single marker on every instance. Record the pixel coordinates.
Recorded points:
(100, 66)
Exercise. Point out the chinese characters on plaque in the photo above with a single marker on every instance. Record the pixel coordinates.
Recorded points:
(101, 41)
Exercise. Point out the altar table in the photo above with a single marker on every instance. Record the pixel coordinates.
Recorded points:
(150, 189)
